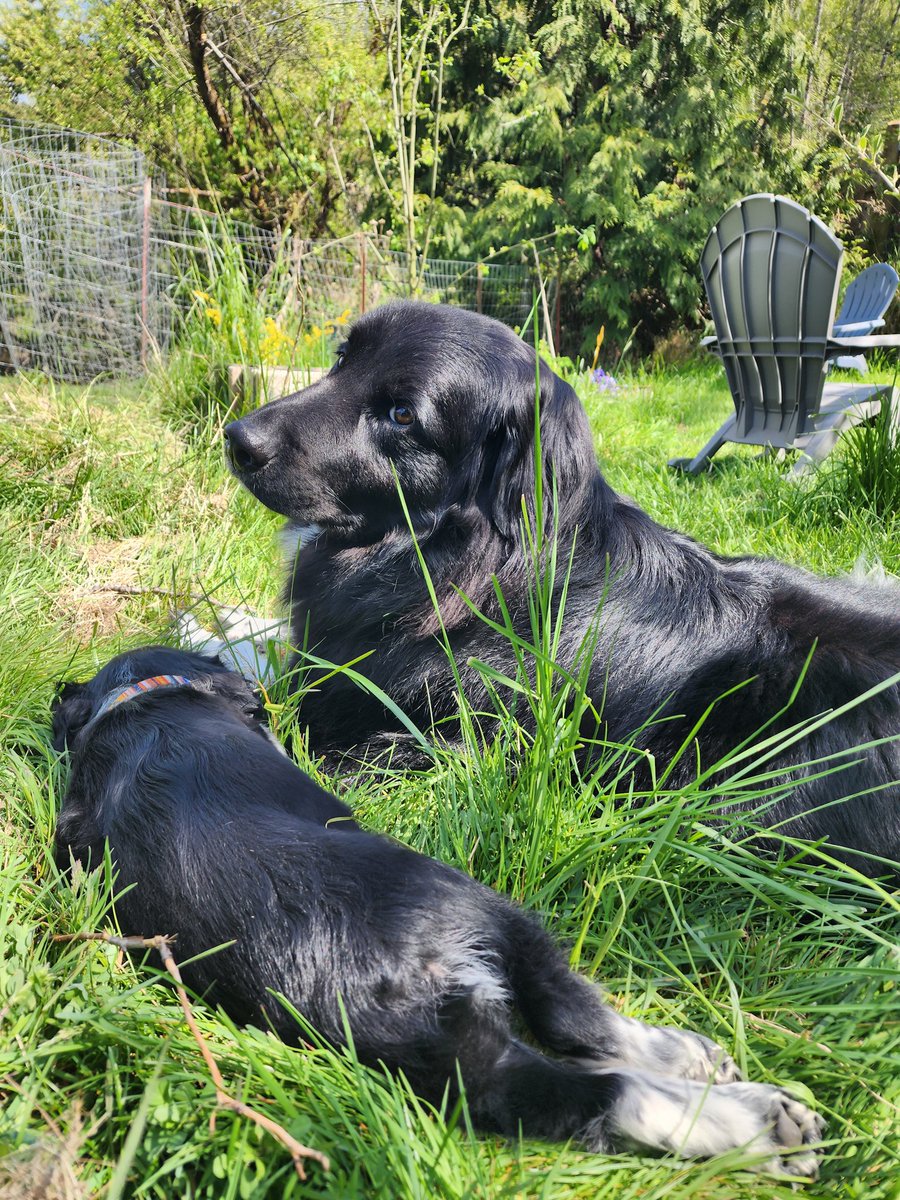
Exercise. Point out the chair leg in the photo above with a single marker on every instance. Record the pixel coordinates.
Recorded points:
(819, 445)
(690, 466)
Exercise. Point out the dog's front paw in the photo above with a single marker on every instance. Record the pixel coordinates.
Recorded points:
(237, 624)
(785, 1127)
(189, 634)
(254, 646)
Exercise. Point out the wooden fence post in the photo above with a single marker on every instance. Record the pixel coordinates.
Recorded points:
(892, 143)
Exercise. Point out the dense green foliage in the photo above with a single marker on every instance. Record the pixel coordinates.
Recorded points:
(790, 967)
(852, 58)
(619, 133)
(607, 137)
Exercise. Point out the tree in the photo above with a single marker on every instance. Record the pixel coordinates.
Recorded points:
(416, 38)
(859, 72)
(253, 101)
(616, 134)
(851, 93)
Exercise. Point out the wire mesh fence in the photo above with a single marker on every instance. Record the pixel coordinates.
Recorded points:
(70, 251)
(97, 267)
(361, 271)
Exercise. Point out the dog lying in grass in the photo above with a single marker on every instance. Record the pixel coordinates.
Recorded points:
(426, 426)
(217, 837)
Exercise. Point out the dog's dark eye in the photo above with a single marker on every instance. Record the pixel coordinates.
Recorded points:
(402, 414)
(339, 358)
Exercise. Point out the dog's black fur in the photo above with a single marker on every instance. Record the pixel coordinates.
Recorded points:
(217, 836)
(443, 402)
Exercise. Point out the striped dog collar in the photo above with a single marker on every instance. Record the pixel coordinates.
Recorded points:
(120, 695)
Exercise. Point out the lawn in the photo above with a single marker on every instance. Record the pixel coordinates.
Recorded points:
(110, 507)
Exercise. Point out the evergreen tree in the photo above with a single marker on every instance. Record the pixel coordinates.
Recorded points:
(615, 135)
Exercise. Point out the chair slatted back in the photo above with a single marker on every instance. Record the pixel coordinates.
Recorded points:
(868, 295)
(771, 271)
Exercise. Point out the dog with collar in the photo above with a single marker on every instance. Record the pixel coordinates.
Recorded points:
(217, 837)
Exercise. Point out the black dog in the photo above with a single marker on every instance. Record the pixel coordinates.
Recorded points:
(218, 836)
(442, 402)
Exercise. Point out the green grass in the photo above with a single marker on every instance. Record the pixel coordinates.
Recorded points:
(794, 969)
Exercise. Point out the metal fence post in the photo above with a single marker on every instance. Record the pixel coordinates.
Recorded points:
(362, 270)
(558, 301)
(145, 271)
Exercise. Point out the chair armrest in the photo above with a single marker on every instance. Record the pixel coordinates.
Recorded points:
(876, 341)
(852, 328)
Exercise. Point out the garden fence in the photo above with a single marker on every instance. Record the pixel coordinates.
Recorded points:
(97, 265)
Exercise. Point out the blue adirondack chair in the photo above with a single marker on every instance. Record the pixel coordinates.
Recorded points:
(865, 302)
(771, 271)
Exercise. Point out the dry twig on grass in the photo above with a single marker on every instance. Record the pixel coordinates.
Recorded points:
(162, 945)
(128, 589)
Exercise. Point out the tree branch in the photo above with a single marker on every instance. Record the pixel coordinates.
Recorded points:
(198, 45)
(206, 88)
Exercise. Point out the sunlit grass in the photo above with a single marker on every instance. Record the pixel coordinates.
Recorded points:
(792, 967)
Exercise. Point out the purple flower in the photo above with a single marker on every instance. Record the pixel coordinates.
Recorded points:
(604, 382)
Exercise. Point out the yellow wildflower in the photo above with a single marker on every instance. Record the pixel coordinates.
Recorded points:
(273, 342)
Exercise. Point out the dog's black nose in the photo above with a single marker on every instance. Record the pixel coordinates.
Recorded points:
(243, 453)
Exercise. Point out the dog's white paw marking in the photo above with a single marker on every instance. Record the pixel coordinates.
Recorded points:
(241, 641)
(692, 1056)
(677, 1052)
(236, 623)
(696, 1120)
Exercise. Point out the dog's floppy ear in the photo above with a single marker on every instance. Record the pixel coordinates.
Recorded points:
(567, 452)
(234, 687)
(71, 710)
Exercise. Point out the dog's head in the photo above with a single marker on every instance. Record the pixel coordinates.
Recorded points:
(434, 399)
(76, 704)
